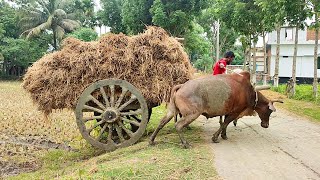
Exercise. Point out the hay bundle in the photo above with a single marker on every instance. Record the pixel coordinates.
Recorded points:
(153, 62)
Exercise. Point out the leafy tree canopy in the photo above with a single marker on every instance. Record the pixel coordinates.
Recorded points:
(110, 15)
(85, 34)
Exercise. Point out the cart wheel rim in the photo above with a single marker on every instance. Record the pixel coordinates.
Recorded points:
(103, 114)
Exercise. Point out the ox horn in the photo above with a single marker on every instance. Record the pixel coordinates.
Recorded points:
(258, 88)
(277, 100)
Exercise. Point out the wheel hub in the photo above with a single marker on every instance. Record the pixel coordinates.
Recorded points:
(111, 115)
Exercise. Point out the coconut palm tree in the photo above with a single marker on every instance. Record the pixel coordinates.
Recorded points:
(49, 15)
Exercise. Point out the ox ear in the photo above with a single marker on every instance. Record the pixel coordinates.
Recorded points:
(271, 107)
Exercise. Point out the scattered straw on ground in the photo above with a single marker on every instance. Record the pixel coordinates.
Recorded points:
(153, 62)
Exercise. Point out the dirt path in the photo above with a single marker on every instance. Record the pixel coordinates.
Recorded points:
(288, 149)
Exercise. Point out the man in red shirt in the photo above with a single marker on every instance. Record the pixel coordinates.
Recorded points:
(220, 66)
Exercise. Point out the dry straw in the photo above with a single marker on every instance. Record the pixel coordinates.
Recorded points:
(152, 61)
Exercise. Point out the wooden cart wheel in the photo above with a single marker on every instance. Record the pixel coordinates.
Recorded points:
(102, 114)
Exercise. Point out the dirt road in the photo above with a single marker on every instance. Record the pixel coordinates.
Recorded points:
(288, 149)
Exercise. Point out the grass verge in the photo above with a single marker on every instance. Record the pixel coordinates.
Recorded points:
(166, 160)
(302, 104)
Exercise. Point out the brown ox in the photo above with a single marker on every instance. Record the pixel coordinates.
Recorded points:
(231, 95)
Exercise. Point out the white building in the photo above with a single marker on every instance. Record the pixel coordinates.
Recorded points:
(305, 60)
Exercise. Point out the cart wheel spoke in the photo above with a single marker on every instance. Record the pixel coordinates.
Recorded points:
(97, 102)
(119, 132)
(101, 132)
(132, 113)
(129, 132)
(133, 98)
(109, 139)
(124, 91)
(130, 121)
(95, 126)
(103, 92)
(112, 95)
(92, 109)
(85, 119)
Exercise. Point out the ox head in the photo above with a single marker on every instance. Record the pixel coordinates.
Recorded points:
(264, 107)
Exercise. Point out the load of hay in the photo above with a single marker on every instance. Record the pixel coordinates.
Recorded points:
(153, 62)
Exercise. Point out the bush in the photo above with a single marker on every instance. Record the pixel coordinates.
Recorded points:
(84, 34)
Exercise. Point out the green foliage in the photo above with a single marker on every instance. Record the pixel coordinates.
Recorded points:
(84, 34)
(176, 16)
(84, 12)
(239, 55)
(110, 15)
(159, 16)
(274, 12)
(196, 43)
(303, 92)
(297, 12)
(204, 63)
(22, 52)
(135, 15)
(8, 21)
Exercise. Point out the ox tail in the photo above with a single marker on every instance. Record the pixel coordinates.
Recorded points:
(172, 105)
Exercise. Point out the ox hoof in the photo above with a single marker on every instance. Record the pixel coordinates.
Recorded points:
(215, 140)
(152, 143)
(224, 137)
(186, 145)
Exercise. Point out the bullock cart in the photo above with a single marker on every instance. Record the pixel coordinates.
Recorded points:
(111, 84)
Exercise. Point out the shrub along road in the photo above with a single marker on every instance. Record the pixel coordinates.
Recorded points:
(288, 149)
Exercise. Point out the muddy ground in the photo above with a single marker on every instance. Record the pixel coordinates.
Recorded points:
(288, 149)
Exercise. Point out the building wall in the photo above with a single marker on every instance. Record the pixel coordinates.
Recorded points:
(305, 59)
(305, 62)
(287, 35)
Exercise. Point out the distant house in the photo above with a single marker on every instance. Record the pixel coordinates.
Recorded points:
(305, 62)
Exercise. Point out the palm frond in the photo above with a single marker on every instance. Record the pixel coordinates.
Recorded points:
(37, 30)
(59, 32)
(72, 15)
(44, 6)
(60, 13)
(25, 33)
(69, 24)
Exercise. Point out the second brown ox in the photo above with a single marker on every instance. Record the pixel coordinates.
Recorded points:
(231, 95)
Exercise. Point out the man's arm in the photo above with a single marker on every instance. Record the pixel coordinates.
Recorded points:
(221, 65)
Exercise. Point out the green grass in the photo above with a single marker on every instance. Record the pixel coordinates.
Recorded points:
(303, 103)
(304, 92)
(166, 160)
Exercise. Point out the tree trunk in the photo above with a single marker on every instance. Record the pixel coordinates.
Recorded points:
(315, 70)
(213, 42)
(4, 67)
(265, 73)
(294, 63)
(245, 59)
(218, 43)
(276, 71)
(54, 40)
(254, 66)
(249, 56)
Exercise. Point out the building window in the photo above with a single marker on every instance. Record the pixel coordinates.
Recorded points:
(318, 63)
(289, 34)
(285, 56)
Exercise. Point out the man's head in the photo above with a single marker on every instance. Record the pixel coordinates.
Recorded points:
(229, 56)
